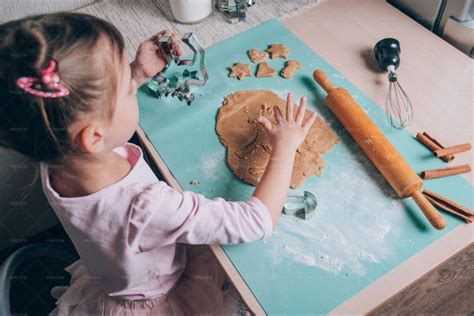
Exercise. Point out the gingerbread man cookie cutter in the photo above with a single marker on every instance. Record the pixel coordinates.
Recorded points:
(179, 86)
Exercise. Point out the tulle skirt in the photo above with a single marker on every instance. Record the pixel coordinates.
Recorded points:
(199, 291)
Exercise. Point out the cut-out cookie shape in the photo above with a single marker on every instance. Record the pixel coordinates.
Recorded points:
(257, 56)
(278, 51)
(240, 71)
(265, 71)
(290, 69)
(249, 147)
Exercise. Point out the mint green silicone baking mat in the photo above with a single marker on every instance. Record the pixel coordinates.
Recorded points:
(361, 230)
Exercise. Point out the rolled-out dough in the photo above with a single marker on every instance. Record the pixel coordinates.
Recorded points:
(248, 146)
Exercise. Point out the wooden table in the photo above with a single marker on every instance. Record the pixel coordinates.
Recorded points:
(439, 80)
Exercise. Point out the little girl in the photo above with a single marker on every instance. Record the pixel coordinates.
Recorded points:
(67, 100)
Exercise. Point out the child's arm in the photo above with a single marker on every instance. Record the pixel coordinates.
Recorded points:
(286, 136)
(162, 216)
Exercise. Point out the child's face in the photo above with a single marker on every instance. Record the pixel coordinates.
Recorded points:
(125, 117)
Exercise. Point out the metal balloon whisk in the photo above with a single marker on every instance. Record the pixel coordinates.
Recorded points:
(397, 104)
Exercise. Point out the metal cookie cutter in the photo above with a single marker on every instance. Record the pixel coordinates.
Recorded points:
(179, 85)
(302, 206)
(235, 10)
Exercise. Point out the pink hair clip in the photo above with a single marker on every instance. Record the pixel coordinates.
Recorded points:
(48, 77)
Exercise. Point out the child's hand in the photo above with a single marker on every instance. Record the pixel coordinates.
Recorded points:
(150, 58)
(289, 131)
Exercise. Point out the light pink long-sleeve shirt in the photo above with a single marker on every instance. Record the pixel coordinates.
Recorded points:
(131, 235)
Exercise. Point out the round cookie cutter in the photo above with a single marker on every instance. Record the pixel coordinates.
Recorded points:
(300, 205)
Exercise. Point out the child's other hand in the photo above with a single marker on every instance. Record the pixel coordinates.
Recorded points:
(150, 59)
(289, 131)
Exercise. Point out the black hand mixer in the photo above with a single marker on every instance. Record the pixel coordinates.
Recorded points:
(397, 104)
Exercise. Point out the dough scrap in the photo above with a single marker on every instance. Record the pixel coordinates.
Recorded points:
(247, 143)
(257, 56)
(278, 50)
(240, 71)
(265, 71)
(290, 69)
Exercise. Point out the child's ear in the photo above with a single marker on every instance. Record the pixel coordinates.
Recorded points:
(92, 138)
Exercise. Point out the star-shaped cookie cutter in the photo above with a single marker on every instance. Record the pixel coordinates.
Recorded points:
(179, 84)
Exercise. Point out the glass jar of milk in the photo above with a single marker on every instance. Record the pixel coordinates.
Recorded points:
(190, 11)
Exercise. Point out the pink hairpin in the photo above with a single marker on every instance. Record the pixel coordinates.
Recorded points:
(48, 77)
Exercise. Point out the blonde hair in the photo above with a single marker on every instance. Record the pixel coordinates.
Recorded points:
(37, 126)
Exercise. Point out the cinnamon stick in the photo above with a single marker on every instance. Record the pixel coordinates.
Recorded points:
(452, 150)
(432, 144)
(445, 172)
(447, 209)
(453, 205)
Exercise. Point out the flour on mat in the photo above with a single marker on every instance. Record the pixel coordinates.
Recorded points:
(355, 213)
(213, 164)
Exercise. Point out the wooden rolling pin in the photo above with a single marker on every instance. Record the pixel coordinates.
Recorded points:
(403, 179)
